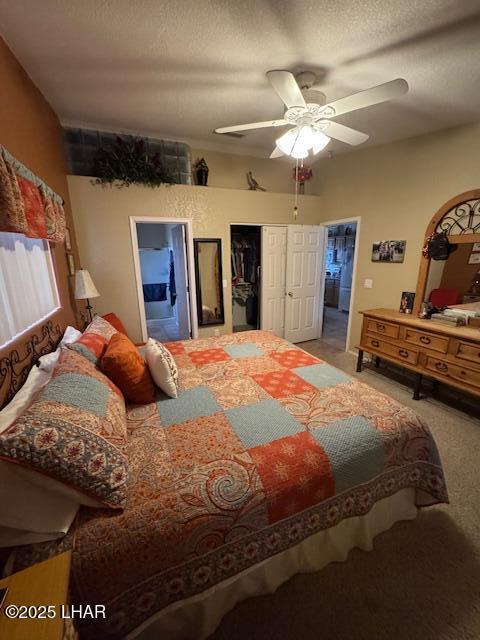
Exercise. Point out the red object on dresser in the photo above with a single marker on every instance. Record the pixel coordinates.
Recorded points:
(444, 297)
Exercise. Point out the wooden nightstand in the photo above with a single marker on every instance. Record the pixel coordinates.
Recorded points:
(45, 583)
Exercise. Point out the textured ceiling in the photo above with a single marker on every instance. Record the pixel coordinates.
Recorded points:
(180, 68)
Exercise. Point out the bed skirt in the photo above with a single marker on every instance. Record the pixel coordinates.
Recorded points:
(197, 617)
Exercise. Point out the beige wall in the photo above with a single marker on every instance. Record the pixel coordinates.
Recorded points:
(103, 230)
(396, 189)
(229, 171)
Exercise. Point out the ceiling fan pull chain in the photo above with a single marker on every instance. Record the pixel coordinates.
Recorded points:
(295, 207)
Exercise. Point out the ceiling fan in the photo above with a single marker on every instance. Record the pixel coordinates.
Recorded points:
(312, 124)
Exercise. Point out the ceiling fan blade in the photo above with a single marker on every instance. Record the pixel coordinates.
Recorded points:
(276, 153)
(367, 98)
(287, 88)
(252, 125)
(341, 132)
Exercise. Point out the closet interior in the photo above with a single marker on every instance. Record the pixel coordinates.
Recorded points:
(246, 273)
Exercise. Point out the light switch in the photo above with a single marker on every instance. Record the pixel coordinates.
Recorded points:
(368, 284)
(225, 284)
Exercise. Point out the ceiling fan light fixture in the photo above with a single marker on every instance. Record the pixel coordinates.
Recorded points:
(320, 141)
(298, 141)
(286, 143)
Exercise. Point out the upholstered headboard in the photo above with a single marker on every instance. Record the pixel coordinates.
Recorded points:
(15, 365)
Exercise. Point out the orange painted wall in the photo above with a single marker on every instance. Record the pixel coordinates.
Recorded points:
(31, 131)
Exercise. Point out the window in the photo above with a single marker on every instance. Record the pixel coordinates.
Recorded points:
(28, 291)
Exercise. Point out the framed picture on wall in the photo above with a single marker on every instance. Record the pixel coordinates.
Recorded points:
(474, 258)
(388, 251)
(406, 302)
(71, 264)
(476, 246)
(68, 240)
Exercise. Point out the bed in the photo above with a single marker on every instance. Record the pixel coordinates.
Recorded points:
(269, 462)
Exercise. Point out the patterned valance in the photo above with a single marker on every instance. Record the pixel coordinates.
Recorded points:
(27, 204)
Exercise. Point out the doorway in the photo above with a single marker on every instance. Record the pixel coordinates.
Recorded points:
(246, 274)
(339, 268)
(163, 256)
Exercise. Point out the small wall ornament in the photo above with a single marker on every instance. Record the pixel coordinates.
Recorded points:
(253, 184)
(201, 172)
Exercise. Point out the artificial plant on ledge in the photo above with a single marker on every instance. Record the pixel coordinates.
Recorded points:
(127, 162)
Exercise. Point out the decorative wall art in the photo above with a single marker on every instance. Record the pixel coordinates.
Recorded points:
(388, 251)
(68, 241)
(71, 264)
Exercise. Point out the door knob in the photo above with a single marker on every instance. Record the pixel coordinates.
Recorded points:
(290, 294)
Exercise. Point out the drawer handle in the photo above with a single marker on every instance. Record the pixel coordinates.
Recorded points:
(403, 353)
(380, 327)
(441, 366)
(425, 339)
(375, 343)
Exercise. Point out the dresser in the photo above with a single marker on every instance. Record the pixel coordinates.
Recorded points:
(447, 354)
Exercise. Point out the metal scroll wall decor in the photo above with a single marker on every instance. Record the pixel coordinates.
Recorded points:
(463, 219)
(14, 369)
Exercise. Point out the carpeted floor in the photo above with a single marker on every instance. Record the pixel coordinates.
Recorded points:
(422, 579)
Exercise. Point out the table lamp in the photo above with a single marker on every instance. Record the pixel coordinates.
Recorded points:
(85, 289)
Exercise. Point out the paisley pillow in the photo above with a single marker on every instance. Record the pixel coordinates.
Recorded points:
(162, 367)
(74, 431)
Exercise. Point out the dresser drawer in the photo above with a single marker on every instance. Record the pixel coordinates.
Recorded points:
(383, 328)
(397, 352)
(454, 371)
(469, 351)
(427, 340)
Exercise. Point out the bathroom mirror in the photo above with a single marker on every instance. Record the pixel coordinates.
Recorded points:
(208, 274)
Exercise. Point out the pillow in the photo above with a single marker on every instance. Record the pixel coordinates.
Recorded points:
(162, 367)
(74, 432)
(101, 327)
(48, 361)
(34, 508)
(90, 345)
(124, 365)
(116, 323)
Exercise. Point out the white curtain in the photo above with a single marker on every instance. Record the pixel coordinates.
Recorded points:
(28, 291)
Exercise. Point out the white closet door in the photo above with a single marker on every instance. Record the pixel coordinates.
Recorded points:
(274, 253)
(305, 249)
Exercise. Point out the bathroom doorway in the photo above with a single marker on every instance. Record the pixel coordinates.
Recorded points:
(164, 278)
(339, 269)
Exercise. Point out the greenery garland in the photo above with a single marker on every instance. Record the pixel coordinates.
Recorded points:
(127, 162)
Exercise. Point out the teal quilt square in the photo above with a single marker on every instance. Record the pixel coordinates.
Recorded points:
(190, 404)
(75, 389)
(355, 450)
(262, 422)
(322, 375)
(245, 350)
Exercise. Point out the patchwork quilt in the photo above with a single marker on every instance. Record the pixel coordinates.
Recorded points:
(264, 446)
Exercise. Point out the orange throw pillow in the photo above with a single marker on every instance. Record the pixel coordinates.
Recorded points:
(126, 368)
(115, 321)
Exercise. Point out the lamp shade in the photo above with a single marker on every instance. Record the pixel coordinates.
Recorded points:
(84, 287)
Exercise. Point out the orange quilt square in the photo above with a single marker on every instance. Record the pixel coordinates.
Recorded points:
(295, 473)
(280, 384)
(207, 356)
(175, 348)
(292, 358)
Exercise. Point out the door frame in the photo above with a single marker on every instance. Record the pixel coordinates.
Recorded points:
(187, 222)
(330, 223)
